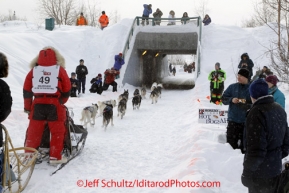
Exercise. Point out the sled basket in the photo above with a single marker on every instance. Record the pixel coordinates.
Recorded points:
(17, 166)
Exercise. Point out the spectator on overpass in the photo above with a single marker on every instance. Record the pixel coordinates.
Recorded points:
(172, 15)
(146, 12)
(207, 20)
(158, 14)
(185, 19)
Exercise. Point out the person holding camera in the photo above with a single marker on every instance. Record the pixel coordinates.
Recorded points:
(238, 98)
(118, 62)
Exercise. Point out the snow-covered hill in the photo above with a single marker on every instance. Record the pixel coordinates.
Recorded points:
(157, 143)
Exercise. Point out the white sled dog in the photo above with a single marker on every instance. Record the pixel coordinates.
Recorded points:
(102, 105)
(143, 92)
(88, 115)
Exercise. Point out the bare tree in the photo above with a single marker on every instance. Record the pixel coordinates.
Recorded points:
(202, 8)
(279, 49)
(11, 16)
(114, 17)
(63, 11)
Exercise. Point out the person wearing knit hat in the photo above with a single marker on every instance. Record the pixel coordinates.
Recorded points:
(244, 72)
(217, 78)
(5, 94)
(266, 140)
(238, 98)
(278, 96)
(258, 88)
(96, 84)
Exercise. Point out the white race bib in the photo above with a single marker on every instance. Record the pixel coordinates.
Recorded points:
(45, 79)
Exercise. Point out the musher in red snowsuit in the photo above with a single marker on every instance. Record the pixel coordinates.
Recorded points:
(46, 89)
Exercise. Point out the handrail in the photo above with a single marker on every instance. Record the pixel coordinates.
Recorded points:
(137, 22)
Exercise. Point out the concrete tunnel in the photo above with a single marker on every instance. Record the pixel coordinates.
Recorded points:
(148, 68)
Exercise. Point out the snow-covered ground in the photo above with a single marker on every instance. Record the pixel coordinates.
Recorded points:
(157, 143)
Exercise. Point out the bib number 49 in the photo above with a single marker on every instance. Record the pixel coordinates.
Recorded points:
(45, 80)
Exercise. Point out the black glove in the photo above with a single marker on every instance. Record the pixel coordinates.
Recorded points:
(107, 23)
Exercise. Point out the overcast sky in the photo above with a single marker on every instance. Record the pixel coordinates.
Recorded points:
(231, 12)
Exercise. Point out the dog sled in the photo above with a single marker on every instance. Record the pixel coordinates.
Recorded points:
(74, 141)
(16, 166)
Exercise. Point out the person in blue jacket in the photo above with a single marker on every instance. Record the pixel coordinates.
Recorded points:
(118, 62)
(146, 12)
(278, 96)
(266, 140)
(207, 20)
(238, 98)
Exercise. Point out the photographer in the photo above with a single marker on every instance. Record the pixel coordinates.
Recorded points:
(109, 79)
(118, 62)
(237, 96)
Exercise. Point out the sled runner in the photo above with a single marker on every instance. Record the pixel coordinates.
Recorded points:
(16, 166)
(74, 141)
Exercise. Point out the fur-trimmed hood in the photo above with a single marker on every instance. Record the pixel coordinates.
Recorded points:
(59, 58)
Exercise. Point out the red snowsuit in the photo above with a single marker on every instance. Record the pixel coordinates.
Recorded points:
(47, 107)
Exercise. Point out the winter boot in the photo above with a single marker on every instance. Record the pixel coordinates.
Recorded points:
(142, 22)
(147, 22)
(55, 161)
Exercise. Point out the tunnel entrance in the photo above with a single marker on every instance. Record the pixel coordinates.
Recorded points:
(150, 56)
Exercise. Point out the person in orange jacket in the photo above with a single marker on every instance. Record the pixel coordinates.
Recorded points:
(81, 20)
(46, 89)
(103, 20)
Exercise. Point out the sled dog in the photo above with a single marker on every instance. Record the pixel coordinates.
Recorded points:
(123, 95)
(121, 107)
(107, 116)
(154, 96)
(143, 92)
(88, 115)
(154, 85)
(136, 101)
(159, 90)
(102, 105)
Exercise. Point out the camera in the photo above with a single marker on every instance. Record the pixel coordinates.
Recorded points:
(242, 101)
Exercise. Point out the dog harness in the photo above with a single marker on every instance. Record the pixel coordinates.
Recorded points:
(89, 108)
